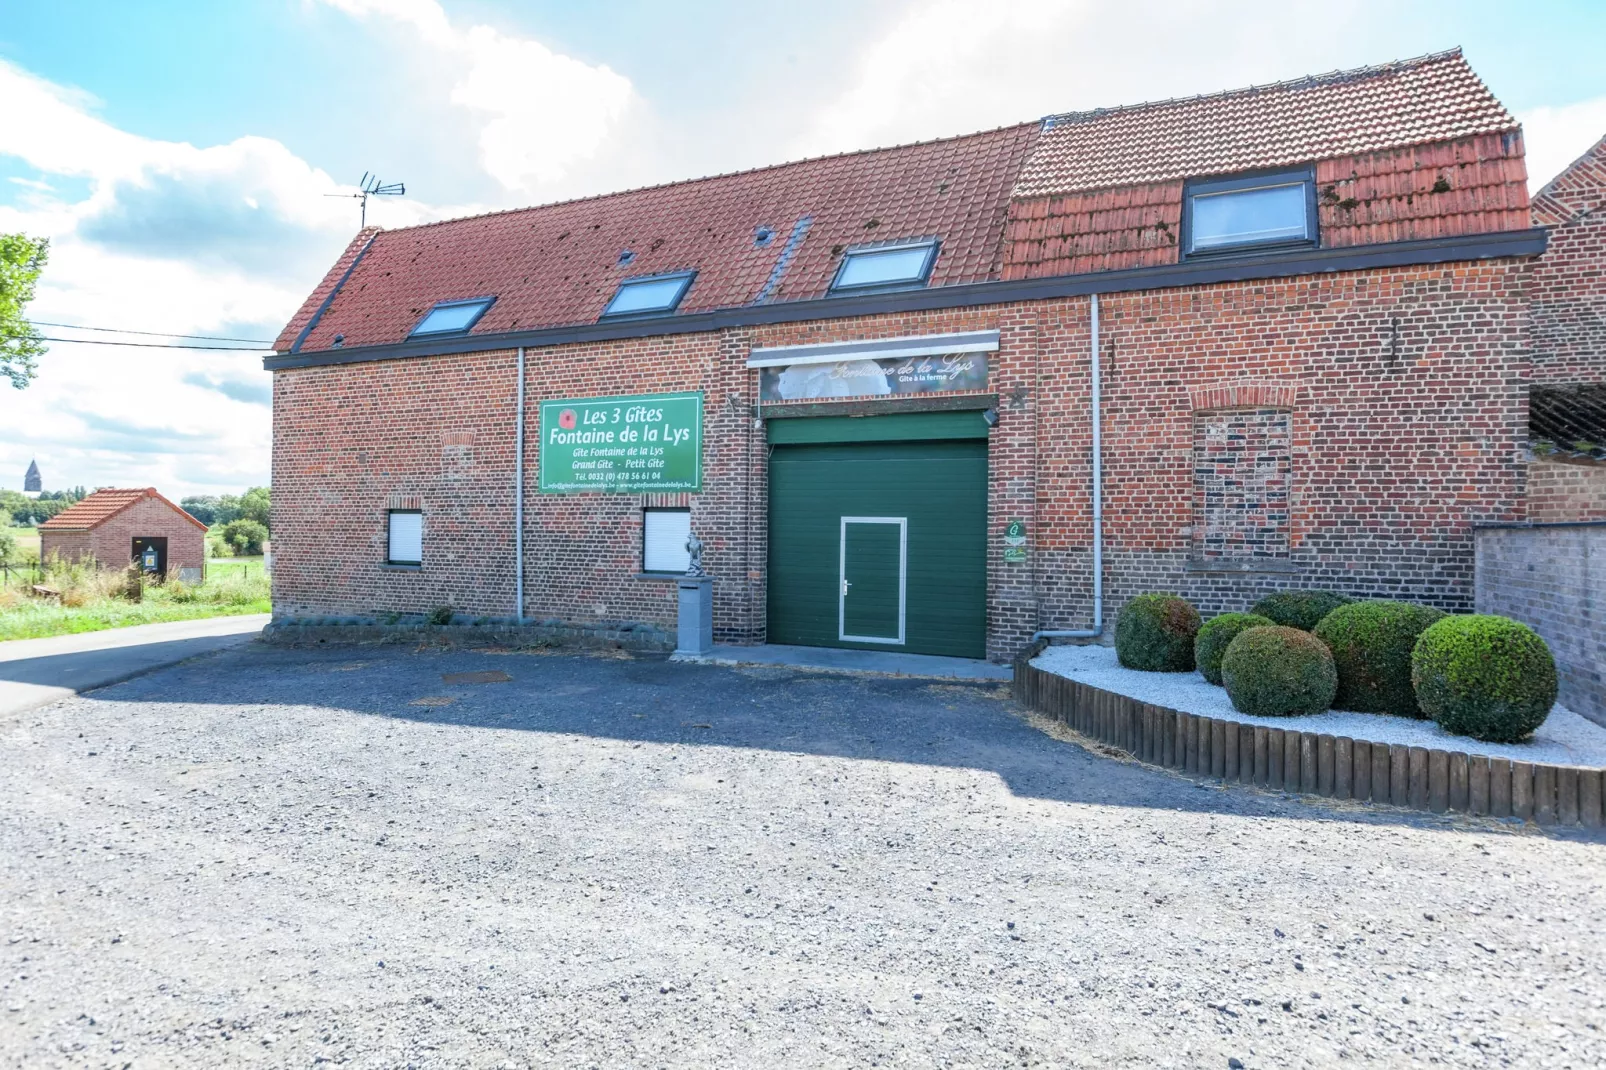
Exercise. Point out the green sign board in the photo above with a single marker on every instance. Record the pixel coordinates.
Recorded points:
(625, 445)
(1015, 542)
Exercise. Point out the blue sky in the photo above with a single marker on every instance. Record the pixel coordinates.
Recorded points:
(178, 154)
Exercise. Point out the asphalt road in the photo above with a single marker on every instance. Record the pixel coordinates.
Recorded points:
(37, 671)
(364, 857)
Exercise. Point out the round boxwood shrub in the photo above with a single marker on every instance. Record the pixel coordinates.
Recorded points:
(1215, 634)
(1491, 678)
(1155, 633)
(1278, 671)
(1371, 644)
(1299, 609)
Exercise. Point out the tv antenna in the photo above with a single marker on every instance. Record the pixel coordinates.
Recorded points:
(371, 186)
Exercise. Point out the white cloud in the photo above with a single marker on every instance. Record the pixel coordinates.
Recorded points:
(541, 113)
(1555, 137)
(951, 66)
(152, 235)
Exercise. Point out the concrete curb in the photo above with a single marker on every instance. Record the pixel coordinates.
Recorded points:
(1334, 767)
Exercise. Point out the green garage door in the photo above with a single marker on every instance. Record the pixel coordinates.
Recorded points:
(879, 545)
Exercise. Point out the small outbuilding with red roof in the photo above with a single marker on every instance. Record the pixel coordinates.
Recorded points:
(116, 527)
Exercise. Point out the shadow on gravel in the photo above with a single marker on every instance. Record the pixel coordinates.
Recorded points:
(651, 700)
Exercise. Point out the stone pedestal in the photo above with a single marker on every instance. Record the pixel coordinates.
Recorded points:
(696, 623)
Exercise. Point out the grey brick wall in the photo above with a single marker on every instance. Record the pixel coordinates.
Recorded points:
(1552, 577)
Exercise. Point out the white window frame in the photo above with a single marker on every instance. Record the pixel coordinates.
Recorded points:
(902, 523)
(390, 537)
(684, 559)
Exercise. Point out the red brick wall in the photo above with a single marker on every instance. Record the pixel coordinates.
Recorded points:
(1569, 284)
(112, 542)
(1406, 417)
(350, 441)
(1242, 462)
(1560, 491)
(1471, 186)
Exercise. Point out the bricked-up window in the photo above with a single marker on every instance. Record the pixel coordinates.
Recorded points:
(406, 537)
(663, 540)
(1242, 468)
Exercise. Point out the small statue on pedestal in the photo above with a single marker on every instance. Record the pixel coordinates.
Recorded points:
(694, 550)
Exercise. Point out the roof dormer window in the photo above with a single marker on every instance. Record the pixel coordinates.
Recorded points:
(1223, 215)
(649, 295)
(452, 317)
(878, 268)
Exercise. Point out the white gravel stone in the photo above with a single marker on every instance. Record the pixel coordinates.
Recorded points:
(1566, 738)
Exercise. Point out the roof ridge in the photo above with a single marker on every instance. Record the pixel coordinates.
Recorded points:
(1308, 81)
(709, 178)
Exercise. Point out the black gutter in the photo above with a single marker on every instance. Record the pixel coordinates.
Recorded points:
(1514, 243)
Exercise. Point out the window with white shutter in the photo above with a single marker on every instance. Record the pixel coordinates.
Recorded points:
(663, 540)
(406, 546)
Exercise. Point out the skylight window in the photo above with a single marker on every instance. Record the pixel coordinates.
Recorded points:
(650, 295)
(1225, 215)
(452, 317)
(886, 267)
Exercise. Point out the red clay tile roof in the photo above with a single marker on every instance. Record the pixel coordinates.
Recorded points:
(104, 504)
(558, 263)
(1410, 102)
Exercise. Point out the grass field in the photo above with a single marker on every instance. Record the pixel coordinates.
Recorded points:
(27, 541)
(92, 601)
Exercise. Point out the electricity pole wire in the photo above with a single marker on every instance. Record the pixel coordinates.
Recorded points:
(137, 345)
(152, 334)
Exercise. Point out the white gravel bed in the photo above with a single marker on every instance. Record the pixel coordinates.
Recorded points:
(1566, 738)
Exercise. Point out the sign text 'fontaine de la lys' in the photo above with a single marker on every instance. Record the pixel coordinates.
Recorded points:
(628, 445)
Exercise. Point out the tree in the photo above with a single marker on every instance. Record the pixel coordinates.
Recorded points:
(228, 509)
(21, 260)
(254, 505)
(202, 507)
(8, 547)
(244, 536)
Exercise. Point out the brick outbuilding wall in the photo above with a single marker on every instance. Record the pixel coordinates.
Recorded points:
(1569, 283)
(111, 542)
(1560, 491)
(1553, 578)
(1401, 390)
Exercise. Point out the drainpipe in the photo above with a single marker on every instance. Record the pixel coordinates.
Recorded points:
(518, 501)
(1098, 502)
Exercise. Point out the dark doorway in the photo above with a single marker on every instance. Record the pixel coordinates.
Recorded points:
(151, 554)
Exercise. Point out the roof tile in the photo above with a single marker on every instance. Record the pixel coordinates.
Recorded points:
(1434, 98)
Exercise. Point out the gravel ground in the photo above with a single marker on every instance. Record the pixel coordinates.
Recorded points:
(275, 857)
(1566, 738)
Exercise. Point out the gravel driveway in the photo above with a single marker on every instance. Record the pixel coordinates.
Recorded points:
(292, 857)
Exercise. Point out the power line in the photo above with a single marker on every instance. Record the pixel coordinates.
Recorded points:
(152, 334)
(136, 345)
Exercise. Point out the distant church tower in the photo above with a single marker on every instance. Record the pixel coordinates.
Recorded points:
(31, 483)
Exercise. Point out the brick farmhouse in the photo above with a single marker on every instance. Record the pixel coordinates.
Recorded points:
(116, 527)
(943, 396)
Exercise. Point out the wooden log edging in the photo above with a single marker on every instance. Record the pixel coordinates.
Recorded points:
(1338, 767)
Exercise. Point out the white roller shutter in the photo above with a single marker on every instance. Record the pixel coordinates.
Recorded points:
(663, 540)
(406, 539)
